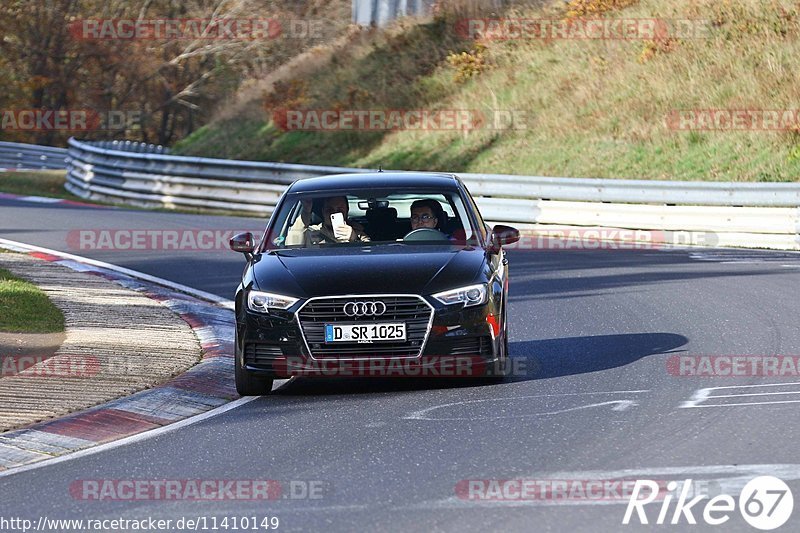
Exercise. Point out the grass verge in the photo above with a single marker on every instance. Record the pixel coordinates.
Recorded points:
(24, 308)
(49, 183)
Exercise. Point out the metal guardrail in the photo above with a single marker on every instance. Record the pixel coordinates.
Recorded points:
(381, 12)
(637, 191)
(32, 156)
(159, 179)
(740, 214)
(132, 146)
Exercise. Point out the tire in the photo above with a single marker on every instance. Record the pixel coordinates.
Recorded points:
(498, 372)
(506, 356)
(246, 383)
(506, 353)
(503, 366)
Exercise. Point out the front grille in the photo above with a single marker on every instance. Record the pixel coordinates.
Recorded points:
(261, 354)
(465, 346)
(414, 312)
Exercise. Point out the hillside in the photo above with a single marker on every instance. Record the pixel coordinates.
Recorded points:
(589, 108)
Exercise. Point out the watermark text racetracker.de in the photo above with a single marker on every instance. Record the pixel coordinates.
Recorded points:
(544, 238)
(182, 523)
(554, 238)
(582, 29)
(61, 366)
(377, 120)
(68, 120)
(428, 366)
(202, 29)
(775, 366)
(552, 491)
(200, 490)
(79, 366)
(69, 365)
(734, 120)
(133, 240)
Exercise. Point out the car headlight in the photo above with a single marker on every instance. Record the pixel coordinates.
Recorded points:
(469, 296)
(262, 302)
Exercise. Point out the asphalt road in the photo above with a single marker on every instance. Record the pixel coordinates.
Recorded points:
(592, 334)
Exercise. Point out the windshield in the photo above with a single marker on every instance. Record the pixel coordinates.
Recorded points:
(371, 218)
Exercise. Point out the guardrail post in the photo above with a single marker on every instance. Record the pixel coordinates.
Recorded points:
(797, 229)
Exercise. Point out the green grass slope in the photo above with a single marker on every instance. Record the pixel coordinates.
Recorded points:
(593, 108)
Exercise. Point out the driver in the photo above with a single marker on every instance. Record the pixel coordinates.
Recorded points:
(326, 233)
(426, 214)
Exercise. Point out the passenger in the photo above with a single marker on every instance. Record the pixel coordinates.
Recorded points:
(326, 233)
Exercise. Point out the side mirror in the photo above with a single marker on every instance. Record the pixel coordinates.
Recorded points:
(243, 242)
(505, 234)
(502, 235)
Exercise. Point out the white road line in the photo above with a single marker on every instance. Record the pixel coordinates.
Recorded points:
(788, 383)
(698, 397)
(619, 405)
(746, 257)
(754, 394)
(701, 395)
(18, 246)
(203, 295)
(788, 471)
(739, 404)
(145, 435)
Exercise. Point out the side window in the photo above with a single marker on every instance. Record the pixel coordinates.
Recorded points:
(284, 235)
(481, 225)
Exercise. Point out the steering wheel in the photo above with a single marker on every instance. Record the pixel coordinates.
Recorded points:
(425, 234)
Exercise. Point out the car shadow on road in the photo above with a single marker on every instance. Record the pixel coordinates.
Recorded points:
(531, 360)
(550, 358)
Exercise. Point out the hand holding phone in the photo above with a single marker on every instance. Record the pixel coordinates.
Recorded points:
(341, 230)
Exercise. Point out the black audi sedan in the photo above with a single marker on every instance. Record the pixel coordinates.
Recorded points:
(373, 274)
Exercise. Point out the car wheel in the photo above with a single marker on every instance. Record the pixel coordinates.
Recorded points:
(246, 383)
(506, 353)
(498, 371)
(504, 366)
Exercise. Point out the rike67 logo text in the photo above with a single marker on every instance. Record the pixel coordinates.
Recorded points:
(765, 503)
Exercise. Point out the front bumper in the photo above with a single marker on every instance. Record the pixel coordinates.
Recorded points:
(458, 342)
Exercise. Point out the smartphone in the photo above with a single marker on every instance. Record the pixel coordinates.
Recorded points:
(337, 219)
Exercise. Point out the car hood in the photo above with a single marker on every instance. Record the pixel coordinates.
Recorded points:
(368, 270)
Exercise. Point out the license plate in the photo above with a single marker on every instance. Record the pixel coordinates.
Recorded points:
(365, 333)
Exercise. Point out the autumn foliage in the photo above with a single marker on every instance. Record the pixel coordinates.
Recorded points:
(166, 86)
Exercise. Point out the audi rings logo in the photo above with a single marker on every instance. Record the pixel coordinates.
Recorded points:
(364, 308)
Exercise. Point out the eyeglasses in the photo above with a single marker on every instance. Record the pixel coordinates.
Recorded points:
(423, 218)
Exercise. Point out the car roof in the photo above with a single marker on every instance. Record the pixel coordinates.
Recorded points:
(365, 180)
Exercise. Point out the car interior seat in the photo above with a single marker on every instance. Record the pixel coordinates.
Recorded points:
(382, 224)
